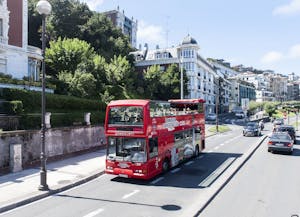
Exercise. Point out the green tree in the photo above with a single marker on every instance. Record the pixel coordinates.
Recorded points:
(152, 81)
(104, 37)
(68, 55)
(171, 82)
(162, 85)
(79, 84)
(118, 71)
(67, 17)
(270, 108)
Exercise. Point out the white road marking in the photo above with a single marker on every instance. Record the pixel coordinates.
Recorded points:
(188, 163)
(175, 170)
(222, 144)
(157, 180)
(130, 194)
(94, 213)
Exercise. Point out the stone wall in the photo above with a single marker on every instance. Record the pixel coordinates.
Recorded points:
(59, 142)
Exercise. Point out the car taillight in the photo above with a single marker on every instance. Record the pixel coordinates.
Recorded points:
(270, 143)
(289, 144)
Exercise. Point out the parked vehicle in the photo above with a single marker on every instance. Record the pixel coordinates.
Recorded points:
(240, 114)
(251, 129)
(287, 128)
(281, 141)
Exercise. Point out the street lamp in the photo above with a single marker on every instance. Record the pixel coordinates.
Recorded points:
(181, 77)
(217, 102)
(44, 8)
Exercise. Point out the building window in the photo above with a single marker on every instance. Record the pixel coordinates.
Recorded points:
(33, 70)
(157, 56)
(1, 27)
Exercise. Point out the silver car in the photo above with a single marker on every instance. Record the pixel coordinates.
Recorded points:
(281, 141)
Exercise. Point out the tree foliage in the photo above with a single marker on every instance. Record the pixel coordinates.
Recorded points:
(67, 17)
(68, 55)
(164, 85)
(104, 37)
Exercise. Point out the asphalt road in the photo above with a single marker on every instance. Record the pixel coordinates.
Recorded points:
(267, 186)
(176, 193)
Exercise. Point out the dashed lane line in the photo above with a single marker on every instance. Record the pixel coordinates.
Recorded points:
(94, 213)
(130, 194)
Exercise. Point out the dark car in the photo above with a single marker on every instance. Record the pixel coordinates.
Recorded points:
(251, 129)
(281, 141)
(287, 128)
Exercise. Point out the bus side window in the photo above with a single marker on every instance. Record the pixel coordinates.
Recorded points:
(153, 147)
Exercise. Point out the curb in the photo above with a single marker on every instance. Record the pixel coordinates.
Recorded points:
(228, 175)
(28, 200)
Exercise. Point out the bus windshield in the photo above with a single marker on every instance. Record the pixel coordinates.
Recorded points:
(126, 115)
(127, 149)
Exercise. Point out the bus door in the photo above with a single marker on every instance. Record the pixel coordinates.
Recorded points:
(153, 161)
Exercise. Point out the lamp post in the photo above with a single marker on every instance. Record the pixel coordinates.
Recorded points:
(181, 78)
(217, 103)
(44, 8)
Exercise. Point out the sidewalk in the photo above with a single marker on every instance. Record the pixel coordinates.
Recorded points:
(21, 188)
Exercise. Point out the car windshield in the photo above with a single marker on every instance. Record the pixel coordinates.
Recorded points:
(251, 124)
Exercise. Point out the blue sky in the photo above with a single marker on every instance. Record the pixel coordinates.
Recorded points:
(264, 34)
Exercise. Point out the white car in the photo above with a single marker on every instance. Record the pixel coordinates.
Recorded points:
(240, 114)
(211, 117)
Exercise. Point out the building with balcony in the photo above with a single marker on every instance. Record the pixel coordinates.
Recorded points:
(241, 90)
(223, 85)
(17, 58)
(293, 91)
(201, 73)
(127, 25)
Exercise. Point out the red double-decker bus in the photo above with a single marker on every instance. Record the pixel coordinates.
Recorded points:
(145, 137)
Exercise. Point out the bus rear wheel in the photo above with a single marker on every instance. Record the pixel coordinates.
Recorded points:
(197, 152)
(165, 165)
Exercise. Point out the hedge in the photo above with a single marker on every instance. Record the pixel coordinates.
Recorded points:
(12, 107)
(33, 121)
(32, 101)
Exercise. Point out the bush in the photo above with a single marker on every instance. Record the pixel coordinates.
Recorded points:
(13, 107)
(32, 101)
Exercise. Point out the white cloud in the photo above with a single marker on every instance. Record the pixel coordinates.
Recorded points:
(292, 8)
(294, 51)
(271, 57)
(150, 34)
(93, 4)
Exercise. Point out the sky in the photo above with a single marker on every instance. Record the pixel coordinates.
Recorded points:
(264, 34)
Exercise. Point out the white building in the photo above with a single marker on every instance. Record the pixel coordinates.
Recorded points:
(17, 58)
(201, 74)
(224, 72)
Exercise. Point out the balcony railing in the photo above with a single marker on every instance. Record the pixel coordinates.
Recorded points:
(34, 50)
